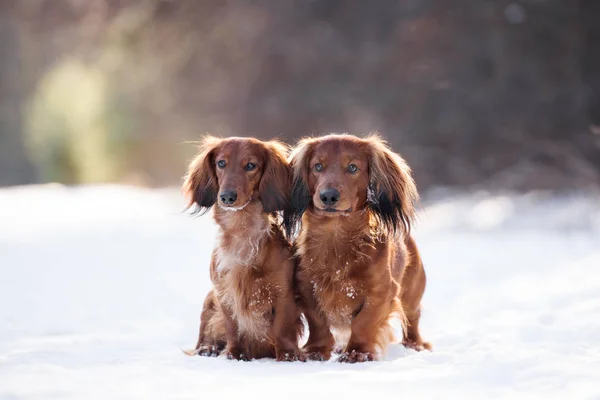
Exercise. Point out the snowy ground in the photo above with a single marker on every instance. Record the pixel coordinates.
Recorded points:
(100, 288)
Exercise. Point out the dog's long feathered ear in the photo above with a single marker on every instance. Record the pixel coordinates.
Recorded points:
(300, 197)
(392, 192)
(200, 185)
(274, 187)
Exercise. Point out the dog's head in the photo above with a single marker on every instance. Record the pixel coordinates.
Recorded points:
(234, 172)
(336, 175)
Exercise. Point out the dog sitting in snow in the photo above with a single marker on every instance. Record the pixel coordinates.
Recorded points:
(352, 200)
(250, 312)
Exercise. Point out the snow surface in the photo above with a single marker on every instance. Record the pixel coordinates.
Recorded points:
(101, 287)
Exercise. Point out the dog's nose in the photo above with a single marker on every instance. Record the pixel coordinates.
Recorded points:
(228, 197)
(330, 196)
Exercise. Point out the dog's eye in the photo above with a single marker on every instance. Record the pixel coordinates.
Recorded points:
(352, 168)
(250, 166)
(318, 167)
(221, 163)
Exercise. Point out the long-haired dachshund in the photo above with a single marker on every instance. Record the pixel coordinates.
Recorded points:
(353, 203)
(251, 311)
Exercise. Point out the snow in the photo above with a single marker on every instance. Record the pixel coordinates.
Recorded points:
(101, 287)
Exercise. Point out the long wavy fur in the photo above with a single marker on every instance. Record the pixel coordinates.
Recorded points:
(392, 192)
(200, 186)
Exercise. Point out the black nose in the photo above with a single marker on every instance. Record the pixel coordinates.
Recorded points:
(228, 197)
(330, 196)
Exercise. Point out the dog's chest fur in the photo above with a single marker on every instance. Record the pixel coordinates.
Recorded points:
(240, 281)
(335, 270)
(250, 298)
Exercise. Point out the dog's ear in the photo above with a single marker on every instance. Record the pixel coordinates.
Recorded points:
(200, 185)
(300, 197)
(392, 192)
(274, 186)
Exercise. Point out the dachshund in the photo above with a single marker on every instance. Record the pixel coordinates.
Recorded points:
(250, 312)
(352, 206)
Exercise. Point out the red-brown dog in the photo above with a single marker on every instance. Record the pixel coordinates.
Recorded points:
(251, 310)
(353, 200)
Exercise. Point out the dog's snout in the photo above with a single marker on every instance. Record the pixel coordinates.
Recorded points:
(228, 197)
(330, 196)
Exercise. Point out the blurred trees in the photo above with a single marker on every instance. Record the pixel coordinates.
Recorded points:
(495, 92)
(15, 165)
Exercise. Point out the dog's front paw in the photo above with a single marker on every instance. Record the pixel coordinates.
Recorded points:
(355, 357)
(208, 351)
(418, 346)
(236, 353)
(317, 353)
(290, 355)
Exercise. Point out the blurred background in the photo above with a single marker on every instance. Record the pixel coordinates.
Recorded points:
(489, 93)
